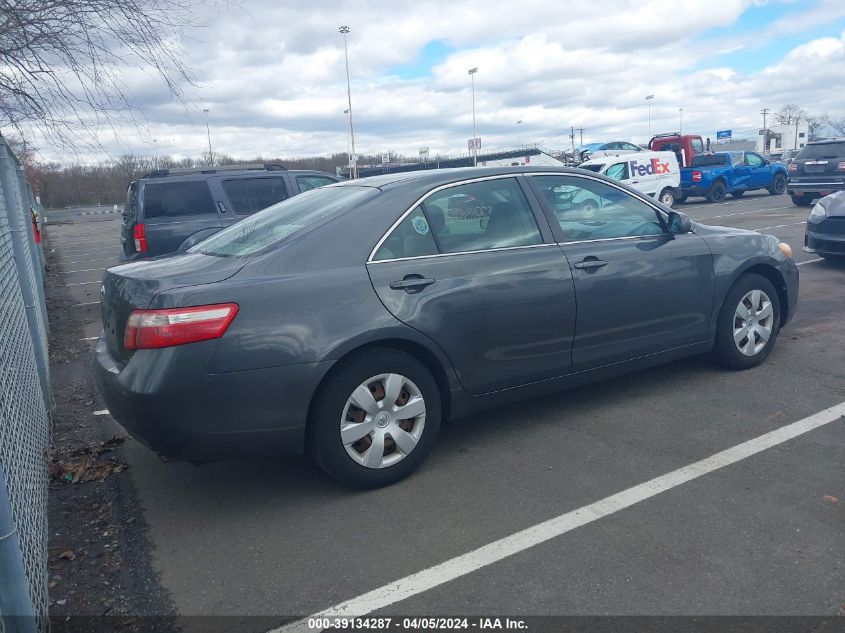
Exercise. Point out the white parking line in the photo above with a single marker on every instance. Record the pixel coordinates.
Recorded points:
(87, 261)
(87, 303)
(82, 283)
(810, 261)
(779, 226)
(89, 338)
(102, 412)
(84, 270)
(730, 215)
(454, 568)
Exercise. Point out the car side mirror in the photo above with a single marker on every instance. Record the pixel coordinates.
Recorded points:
(679, 222)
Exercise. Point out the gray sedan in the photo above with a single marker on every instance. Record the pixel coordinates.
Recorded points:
(825, 233)
(354, 319)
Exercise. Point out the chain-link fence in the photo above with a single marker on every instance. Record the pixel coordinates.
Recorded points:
(25, 404)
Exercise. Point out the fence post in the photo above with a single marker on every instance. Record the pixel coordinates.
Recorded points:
(21, 232)
(17, 613)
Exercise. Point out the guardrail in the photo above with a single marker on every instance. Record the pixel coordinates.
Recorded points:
(26, 404)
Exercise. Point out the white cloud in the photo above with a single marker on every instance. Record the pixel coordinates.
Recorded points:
(273, 77)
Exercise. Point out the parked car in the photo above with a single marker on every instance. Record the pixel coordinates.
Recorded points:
(653, 173)
(170, 210)
(825, 232)
(715, 175)
(817, 171)
(613, 148)
(352, 320)
(786, 156)
(685, 146)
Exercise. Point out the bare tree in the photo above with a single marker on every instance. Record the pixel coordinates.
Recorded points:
(61, 62)
(838, 125)
(790, 114)
(815, 122)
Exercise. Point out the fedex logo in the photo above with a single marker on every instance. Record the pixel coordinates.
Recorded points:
(653, 167)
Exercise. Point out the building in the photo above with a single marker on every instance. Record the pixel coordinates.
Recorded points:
(779, 138)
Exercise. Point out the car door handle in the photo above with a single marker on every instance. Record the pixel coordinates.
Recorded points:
(591, 263)
(411, 283)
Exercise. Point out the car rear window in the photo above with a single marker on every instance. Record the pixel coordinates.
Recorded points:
(709, 160)
(283, 219)
(822, 150)
(249, 195)
(170, 199)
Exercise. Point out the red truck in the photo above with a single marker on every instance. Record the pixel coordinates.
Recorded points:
(685, 146)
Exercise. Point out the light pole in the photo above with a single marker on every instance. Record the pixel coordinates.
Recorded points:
(518, 139)
(648, 101)
(208, 132)
(471, 72)
(348, 151)
(344, 30)
(681, 124)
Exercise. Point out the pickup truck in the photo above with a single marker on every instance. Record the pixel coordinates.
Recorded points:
(715, 175)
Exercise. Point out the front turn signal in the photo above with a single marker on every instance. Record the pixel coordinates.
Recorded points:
(785, 248)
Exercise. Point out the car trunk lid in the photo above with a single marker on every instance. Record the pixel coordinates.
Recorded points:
(134, 285)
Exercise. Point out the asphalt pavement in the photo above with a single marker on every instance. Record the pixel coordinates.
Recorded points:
(760, 535)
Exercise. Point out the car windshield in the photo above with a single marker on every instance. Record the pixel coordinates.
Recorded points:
(596, 167)
(823, 150)
(283, 219)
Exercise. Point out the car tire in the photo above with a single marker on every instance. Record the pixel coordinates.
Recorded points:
(354, 464)
(744, 336)
(801, 201)
(717, 192)
(778, 185)
(667, 197)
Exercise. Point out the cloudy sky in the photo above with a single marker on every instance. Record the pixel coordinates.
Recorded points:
(272, 73)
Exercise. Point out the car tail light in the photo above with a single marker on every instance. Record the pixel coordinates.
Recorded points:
(139, 233)
(154, 329)
(841, 166)
(696, 176)
(792, 167)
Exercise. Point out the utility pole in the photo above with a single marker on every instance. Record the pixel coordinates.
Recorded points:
(764, 112)
(581, 130)
(681, 123)
(344, 30)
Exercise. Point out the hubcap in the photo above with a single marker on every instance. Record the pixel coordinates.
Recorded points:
(753, 321)
(382, 421)
(668, 199)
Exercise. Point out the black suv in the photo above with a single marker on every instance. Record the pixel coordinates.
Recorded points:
(817, 171)
(170, 210)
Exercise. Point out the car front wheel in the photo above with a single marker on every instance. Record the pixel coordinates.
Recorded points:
(748, 323)
(667, 197)
(375, 419)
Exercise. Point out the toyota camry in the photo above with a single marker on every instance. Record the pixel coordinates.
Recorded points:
(353, 320)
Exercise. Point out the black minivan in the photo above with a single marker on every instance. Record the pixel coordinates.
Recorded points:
(170, 210)
(817, 171)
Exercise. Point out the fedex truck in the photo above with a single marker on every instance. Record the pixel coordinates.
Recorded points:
(656, 174)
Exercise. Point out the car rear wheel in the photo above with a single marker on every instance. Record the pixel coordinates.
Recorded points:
(801, 201)
(667, 197)
(375, 419)
(778, 185)
(749, 323)
(717, 192)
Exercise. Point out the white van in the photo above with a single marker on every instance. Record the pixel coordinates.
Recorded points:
(653, 173)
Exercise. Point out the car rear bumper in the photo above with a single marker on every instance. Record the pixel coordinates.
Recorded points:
(814, 185)
(694, 190)
(826, 237)
(166, 400)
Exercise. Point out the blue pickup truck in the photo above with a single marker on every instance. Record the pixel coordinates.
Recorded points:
(717, 174)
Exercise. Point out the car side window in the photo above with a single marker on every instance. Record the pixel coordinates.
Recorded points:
(411, 238)
(697, 146)
(631, 146)
(591, 210)
(753, 160)
(312, 182)
(249, 195)
(173, 199)
(481, 216)
(617, 171)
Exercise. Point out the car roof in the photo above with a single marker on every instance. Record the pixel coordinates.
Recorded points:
(435, 177)
(229, 171)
